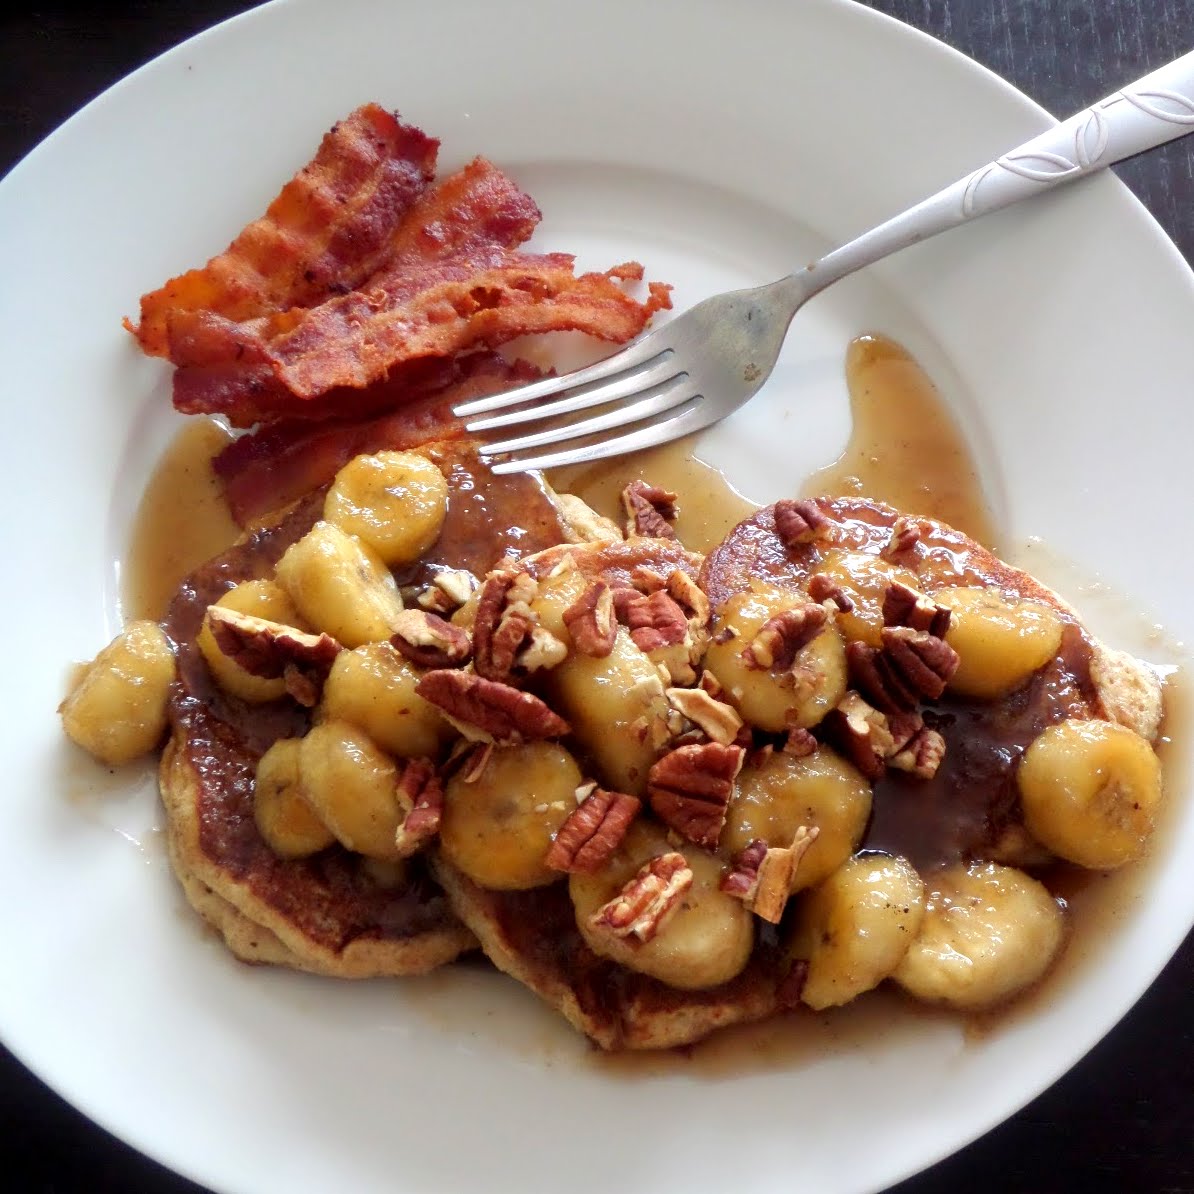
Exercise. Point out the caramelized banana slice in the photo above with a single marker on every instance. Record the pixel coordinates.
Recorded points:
(855, 927)
(283, 816)
(1090, 792)
(999, 643)
(865, 579)
(706, 941)
(340, 586)
(778, 794)
(498, 826)
(395, 502)
(775, 698)
(989, 932)
(117, 708)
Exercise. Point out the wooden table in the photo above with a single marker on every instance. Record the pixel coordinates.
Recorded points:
(1122, 1119)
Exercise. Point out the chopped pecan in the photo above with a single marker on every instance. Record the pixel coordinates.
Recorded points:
(582, 524)
(593, 831)
(922, 755)
(427, 640)
(712, 685)
(649, 510)
(822, 587)
(905, 535)
(503, 624)
(449, 589)
(273, 650)
(717, 719)
(479, 754)
(648, 901)
(487, 710)
(903, 727)
(542, 651)
(591, 622)
(654, 620)
(800, 521)
(799, 742)
(860, 732)
(647, 580)
(762, 875)
(781, 638)
(906, 606)
(690, 788)
(421, 794)
(791, 986)
(689, 596)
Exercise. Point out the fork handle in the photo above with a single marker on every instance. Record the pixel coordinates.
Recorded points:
(1145, 114)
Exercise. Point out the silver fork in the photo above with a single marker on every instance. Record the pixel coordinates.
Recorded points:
(709, 361)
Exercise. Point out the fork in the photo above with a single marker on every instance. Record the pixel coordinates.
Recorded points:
(703, 365)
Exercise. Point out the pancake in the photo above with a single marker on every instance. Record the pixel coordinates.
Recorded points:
(335, 913)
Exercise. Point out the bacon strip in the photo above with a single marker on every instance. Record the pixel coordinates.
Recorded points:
(481, 299)
(330, 227)
(272, 467)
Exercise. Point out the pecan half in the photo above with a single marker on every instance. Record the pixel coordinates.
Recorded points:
(762, 875)
(781, 638)
(648, 901)
(427, 640)
(654, 620)
(588, 838)
(690, 788)
(649, 510)
(715, 718)
(421, 794)
(922, 755)
(911, 666)
(273, 650)
(799, 521)
(905, 535)
(861, 733)
(504, 622)
(822, 587)
(591, 622)
(487, 710)
(906, 606)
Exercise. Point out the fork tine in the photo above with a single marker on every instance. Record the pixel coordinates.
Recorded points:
(624, 385)
(638, 353)
(698, 414)
(670, 394)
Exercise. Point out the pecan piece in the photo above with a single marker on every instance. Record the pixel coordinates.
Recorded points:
(762, 875)
(906, 606)
(654, 620)
(690, 788)
(427, 640)
(689, 596)
(273, 650)
(781, 638)
(799, 742)
(648, 901)
(715, 718)
(861, 733)
(799, 521)
(488, 710)
(649, 510)
(922, 755)
(421, 794)
(791, 986)
(449, 589)
(504, 623)
(822, 588)
(905, 535)
(872, 674)
(590, 621)
(588, 838)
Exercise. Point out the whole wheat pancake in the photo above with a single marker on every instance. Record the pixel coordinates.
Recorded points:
(334, 913)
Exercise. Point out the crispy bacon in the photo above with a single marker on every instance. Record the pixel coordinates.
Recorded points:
(274, 466)
(478, 299)
(331, 226)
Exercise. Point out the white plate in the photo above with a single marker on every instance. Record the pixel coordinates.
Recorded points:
(720, 144)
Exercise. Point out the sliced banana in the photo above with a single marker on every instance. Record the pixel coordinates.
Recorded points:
(707, 942)
(865, 579)
(854, 928)
(340, 586)
(284, 819)
(989, 931)
(1090, 792)
(498, 828)
(775, 796)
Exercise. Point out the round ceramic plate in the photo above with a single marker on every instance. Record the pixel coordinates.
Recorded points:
(721, 145)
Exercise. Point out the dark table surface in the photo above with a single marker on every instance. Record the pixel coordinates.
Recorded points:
(1122, 1119)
